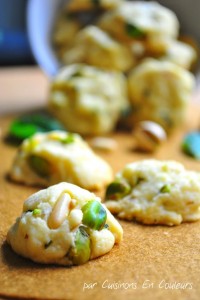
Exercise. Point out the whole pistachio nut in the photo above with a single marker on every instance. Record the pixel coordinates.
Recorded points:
(117, 190)
(149, 135)
(39, 165)
(80, 252)
(94, 215)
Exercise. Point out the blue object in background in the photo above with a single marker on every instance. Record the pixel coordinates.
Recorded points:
(14, 44)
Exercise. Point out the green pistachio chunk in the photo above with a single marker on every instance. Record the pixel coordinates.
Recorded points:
(37, 212)
(117, 190)
(94, 215)
(39, 165)
(80, 252)
(165, 189)
(68, 139)
(134, 32)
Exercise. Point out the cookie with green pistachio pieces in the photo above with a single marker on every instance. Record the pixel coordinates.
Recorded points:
(64, 224)
(160, 91)
(155, 192)
(50, 158)
(86, 99)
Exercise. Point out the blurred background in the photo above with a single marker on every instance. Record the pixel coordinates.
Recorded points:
(14, 44)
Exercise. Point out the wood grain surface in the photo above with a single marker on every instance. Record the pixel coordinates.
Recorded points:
(152, 262)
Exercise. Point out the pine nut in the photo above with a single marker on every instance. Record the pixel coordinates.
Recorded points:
(75, 218)
(104, 143)
(59, 211)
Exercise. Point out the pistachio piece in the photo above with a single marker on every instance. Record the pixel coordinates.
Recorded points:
(68, 139)
(75, 218)
(117, 189)
(80, 252)
(94, 215)
(39, 165)
(149, 135)
(134, 31)
(165, 189)
(37, 212)
(59, 211)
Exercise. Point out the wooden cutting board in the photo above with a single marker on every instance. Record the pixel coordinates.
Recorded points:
(152, 262)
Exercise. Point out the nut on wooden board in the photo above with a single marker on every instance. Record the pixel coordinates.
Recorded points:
(149, 135)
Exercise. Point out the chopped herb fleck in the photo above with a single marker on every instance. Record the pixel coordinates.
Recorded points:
(29, 210)
(76, 74)
(48, 244)
(165, 189)
(139, 180)
(106, 226)
(133, 31)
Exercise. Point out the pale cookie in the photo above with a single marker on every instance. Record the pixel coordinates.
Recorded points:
(88, 100)
(139, 20)
(64, 224)
(168, 49)
(95, 47)
(181, 54)
(64, 31)
(49, 158)
(160, 91)
(155, 192)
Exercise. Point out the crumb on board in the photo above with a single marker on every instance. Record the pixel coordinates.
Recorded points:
(104, 143)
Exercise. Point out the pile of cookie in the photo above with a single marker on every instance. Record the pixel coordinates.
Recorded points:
(127, 65)
(68, 224)
(122, 61)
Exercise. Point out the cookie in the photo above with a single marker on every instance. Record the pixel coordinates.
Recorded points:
(65, 225)
(155, 192)
(88, 100)
(49, 158)
(181, 54)
(160, 91)
(63, 34)
(139, 20)
(95, 47)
